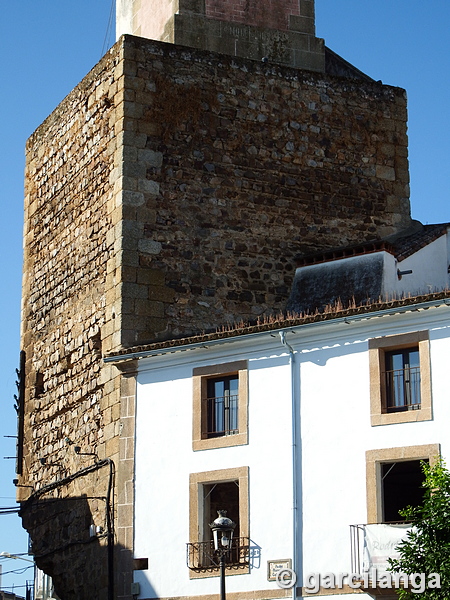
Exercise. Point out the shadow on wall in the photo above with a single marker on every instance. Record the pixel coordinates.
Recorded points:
(69, 547)
(73, 538)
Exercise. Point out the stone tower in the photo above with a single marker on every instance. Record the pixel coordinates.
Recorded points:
(167, 195)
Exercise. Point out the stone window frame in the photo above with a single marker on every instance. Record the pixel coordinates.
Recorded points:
(196, 483)
(374, 460)
(377, 350)
(200, 376)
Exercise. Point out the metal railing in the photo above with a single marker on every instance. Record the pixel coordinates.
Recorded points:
(201, 556)
(356, 537)
(358, 544)
(403, 389)
(222, 415)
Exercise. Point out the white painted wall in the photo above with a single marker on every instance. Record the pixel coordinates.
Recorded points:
(145, 18)
(336, 431)
(124, 17)
(429, 270)
(332, 378)
(164, 460)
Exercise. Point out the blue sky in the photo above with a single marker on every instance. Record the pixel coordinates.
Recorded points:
(48, 47)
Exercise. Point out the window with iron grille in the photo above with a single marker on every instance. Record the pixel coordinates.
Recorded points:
(222, 406)
(225, 489)
(402, 379)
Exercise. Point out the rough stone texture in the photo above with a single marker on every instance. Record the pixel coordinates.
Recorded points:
(70, 259)
(166, 195)
(248, 166)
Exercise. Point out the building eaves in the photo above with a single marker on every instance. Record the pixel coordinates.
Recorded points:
(330, 313)
(405, 246)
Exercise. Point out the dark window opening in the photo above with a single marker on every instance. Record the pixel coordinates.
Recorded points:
(39, 384)
(401, 487)
(222, 406)
(201, 555)
(402, 380)
(220, 496)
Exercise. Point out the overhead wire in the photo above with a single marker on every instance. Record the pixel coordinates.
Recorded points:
(18, 571)
(8, 510)
(106, 42)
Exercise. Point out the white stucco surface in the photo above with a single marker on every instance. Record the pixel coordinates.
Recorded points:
(331, 376)
(145, 18)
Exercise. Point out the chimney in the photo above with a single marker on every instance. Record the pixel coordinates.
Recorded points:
(281, 31)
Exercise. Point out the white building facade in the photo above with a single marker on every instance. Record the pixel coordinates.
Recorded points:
(304, 431)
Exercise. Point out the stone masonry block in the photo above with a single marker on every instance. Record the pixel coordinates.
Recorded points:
(130, 138)
(134, 169)
(302, 24)
(148, 186)
(150, 158)
(160, 293)
(195, 6)
(132, 198)
(129, 258)
(128, 388)
(151, 276)
(134, 290)
(149, 246)
(112, 446)
(149, 308)
(384, 172)
(307, 8)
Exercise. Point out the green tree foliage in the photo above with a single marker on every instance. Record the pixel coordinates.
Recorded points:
(426, 548)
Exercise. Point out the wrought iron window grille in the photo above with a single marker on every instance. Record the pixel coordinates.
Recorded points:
(202, 557)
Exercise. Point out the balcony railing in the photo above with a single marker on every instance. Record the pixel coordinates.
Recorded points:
(403, 389)
(222, 415)
(372, 545)
(201, 556)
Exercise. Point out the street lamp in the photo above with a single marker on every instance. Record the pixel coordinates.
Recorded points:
(222, 529)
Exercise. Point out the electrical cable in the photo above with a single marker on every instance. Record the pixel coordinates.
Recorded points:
(109, 28)
(18, 571)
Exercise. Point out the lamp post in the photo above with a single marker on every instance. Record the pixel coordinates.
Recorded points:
(222, 529)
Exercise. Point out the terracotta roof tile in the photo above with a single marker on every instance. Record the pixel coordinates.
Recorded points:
(400, 246)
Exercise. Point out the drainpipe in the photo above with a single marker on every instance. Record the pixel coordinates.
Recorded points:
(294, 458)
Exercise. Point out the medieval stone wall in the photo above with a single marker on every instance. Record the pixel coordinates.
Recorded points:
(166, 195)
(69, 272)
(232, 168)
